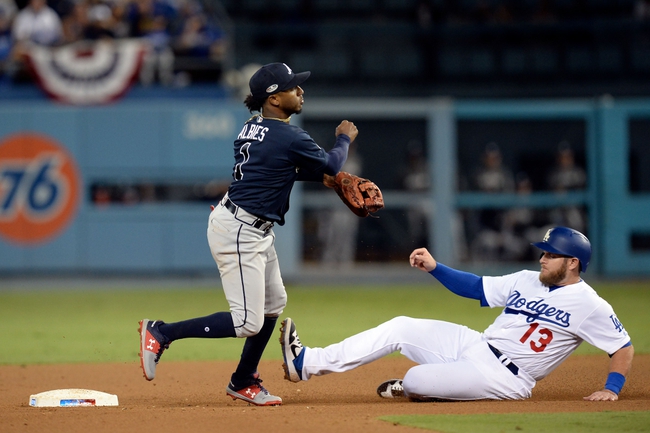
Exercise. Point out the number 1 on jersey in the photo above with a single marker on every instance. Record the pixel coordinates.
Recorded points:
(238, 173)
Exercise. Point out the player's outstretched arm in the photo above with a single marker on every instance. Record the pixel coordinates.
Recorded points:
(422, 259)
(619, 365)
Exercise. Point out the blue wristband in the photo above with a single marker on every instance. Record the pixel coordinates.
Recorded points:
(615, 382)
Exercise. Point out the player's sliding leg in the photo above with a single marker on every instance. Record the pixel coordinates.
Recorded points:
(421, 340)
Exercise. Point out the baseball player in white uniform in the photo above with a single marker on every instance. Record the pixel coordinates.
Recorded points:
(546, 315)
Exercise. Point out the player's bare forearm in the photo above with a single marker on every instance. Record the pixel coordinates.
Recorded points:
(422, 259)
(620, 362)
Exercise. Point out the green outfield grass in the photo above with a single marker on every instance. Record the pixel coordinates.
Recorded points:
(99, 325)
(586, 422)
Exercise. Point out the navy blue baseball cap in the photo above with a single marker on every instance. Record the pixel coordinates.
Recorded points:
(273, 78)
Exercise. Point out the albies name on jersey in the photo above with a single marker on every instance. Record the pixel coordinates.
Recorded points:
(252, 131)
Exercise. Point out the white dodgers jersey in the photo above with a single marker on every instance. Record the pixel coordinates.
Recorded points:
(540, 327)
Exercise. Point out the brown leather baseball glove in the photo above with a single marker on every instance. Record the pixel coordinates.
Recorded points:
(361, 195)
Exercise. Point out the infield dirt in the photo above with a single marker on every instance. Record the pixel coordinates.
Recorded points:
(190, 397)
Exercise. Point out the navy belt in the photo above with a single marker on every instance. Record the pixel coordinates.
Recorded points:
(257, 223)
(503, 359)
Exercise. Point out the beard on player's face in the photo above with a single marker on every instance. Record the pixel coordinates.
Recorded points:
(554, 278)
(291, 101)
(299, 99)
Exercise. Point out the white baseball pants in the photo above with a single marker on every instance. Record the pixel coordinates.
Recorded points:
(249, 269)
(455, 362)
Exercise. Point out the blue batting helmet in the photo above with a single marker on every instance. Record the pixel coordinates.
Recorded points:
(568, 242)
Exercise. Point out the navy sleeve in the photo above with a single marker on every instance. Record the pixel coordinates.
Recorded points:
(461, 283)
(335, 159)
(338, 155)
(309, 176)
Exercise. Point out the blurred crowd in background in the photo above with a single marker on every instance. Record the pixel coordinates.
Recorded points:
(193, 29)
(507, 234)
(182, 31)
(174, 29)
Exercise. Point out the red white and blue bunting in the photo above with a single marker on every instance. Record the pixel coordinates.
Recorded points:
(87, 73)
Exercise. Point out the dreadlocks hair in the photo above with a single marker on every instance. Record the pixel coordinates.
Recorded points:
(253, 104)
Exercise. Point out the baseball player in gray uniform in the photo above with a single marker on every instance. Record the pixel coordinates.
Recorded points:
(270, 156)
(546, 315)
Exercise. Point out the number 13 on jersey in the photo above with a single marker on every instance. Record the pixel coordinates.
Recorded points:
(537, 344)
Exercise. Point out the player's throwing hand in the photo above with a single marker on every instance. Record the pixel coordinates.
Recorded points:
(348, 128)
(422, 259)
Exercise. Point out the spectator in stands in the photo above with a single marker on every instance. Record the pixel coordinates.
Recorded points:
(8, 10)
(416, 179)
(121, 26)
(522, 224)
(151, 20)
(37, 23)
(101, 22)
(75, 22)
(510, 234)
(89, 20)
(199, 38)
(199, 44)
(492, 177)
(567, 176)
